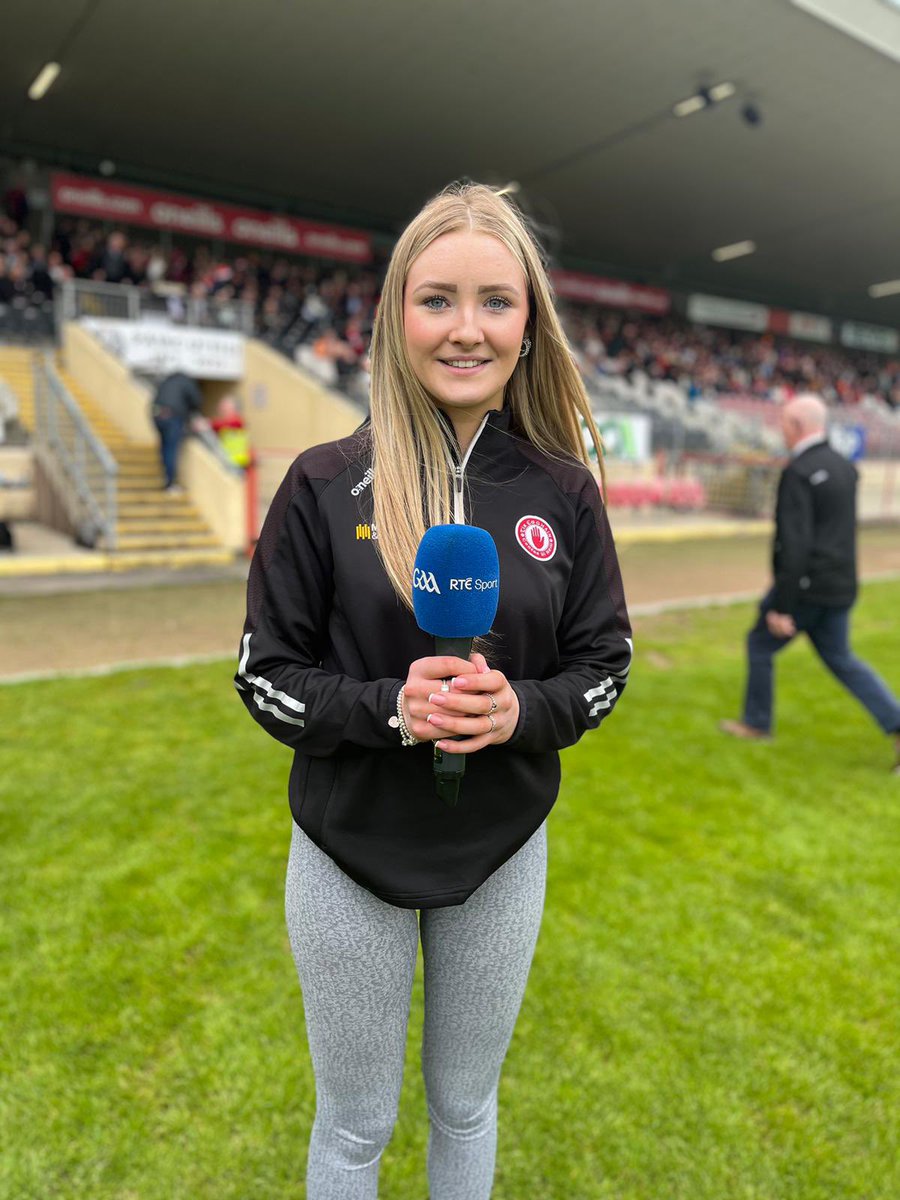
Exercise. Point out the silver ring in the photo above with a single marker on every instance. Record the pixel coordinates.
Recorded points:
(492, 721)
(493, 707)
(445, 685)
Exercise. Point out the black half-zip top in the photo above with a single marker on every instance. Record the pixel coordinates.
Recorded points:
(327, 646)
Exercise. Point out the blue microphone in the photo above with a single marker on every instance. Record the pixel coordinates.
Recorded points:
(455, 592)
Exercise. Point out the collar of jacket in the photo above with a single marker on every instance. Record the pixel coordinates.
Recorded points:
(498, 418)
(807, 443)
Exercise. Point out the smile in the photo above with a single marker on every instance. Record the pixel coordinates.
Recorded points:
(463, 364)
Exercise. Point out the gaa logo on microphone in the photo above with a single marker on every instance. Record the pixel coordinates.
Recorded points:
(536, 538)
(425, 581)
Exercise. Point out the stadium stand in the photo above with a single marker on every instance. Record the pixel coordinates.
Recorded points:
(321, 315)
(712, 395)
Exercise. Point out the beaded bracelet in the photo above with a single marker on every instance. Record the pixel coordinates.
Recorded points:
(406, 737)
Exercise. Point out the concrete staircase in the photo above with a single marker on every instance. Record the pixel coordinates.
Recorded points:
(153, 528)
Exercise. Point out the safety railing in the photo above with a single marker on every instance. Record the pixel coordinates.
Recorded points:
(87, 298)
(82, 469)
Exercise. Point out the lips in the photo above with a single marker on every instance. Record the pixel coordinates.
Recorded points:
(464, 364)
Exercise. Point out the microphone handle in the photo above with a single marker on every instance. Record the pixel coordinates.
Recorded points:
(457, 647)
(450, 768)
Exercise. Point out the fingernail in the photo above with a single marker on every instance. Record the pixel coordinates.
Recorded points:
(434, 719)
(437, 698)
(441, 745)
(459, 681)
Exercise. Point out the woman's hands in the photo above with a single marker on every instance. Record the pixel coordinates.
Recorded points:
(480, 705)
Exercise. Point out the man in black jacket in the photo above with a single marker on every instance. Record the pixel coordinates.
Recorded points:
(814, 567)
(176, 406)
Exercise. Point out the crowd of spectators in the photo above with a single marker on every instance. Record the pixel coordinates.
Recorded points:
(29, 275)
(321, 315)
(711, 362)
(317, 313)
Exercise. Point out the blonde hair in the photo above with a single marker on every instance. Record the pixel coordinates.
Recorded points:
(546, 395)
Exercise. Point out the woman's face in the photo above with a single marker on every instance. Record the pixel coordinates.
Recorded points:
(465, 311)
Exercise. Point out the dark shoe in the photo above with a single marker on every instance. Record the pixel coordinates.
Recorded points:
(739, 730)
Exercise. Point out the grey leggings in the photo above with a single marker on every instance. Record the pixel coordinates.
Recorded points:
(356, 956)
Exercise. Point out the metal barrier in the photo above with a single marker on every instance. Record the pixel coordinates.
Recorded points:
(81, 467)
(746, 485)
(85, 298)
(741, 485)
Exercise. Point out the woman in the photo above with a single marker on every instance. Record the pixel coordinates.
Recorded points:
(475, 411)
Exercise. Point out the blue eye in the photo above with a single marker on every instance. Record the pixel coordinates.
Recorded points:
(428, 303)
(501, 301)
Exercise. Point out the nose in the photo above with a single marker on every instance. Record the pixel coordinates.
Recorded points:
(467, 331)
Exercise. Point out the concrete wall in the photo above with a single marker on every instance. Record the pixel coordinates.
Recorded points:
(17, 502)
(50, 508)
(286, 410)
(219, 495)
(109, 382)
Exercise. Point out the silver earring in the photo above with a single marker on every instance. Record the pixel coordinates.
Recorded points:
(526, 346)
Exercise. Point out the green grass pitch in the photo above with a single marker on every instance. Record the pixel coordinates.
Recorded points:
(713, 1009)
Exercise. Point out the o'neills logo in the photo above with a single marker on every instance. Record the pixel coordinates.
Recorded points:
(363, 483)
(425, 581)
(367, 533)
(536, 538)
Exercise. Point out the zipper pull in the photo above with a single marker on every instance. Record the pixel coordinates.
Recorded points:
(459, 515)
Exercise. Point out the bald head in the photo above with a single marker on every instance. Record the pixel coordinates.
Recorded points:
(802, 417)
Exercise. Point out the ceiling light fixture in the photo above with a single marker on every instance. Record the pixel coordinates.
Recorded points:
(704, 97)
(889, 288)
(693, 104)
(44, 81)
(735, 250)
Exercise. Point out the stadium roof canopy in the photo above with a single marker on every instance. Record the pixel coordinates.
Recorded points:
(357, 111)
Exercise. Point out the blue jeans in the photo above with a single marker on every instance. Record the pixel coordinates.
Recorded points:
(829, 631)
(171, 431)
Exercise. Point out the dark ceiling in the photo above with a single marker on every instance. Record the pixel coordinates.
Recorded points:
(357, 111)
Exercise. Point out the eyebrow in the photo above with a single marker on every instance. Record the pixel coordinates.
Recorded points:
(451, 287)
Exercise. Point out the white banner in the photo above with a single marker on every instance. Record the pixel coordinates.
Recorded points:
(733, 314)
(869, 337)
(809, 326)
(158, 349)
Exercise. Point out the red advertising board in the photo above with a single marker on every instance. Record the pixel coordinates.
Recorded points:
(615, 293)
(106, 201)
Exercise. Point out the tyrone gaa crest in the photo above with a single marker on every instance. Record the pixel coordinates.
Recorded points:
(536, 538)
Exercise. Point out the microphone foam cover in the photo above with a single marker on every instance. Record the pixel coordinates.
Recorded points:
(456, 581)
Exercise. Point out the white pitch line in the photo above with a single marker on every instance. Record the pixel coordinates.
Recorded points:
(654, 609)
(140, 664)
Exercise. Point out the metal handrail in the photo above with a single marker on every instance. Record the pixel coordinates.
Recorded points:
(91, 298)
(82, 465)
(208, 438)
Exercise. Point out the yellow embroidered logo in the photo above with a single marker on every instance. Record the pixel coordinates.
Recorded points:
(366, 533)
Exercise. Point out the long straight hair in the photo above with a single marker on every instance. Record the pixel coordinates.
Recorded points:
(546, 394)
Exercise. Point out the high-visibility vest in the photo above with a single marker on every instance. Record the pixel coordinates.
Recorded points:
(236, 445)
